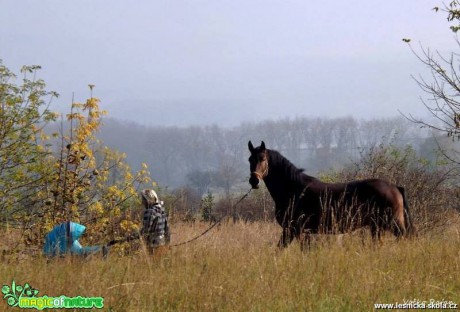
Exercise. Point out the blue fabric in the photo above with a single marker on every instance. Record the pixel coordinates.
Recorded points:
(58, 243)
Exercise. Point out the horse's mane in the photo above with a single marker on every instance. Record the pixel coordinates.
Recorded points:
(289, 169)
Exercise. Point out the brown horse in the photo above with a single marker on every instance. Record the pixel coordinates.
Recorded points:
(306, 205)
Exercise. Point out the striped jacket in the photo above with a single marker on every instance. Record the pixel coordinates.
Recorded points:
(155, 226)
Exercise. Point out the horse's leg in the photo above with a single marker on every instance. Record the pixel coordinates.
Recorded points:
(362, 233)
(302, 236)
(399, 228)
(376, 232)
(378, 221)
(286, 237)
(305, 242)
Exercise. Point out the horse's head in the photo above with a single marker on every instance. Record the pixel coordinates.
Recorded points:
(258, 164)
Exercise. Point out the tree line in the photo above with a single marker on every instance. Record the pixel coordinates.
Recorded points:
(214, 157)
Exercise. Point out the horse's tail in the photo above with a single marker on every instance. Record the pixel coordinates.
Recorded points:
(407, 216)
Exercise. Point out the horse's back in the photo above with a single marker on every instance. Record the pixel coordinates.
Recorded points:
(382, 188)
(375, 190)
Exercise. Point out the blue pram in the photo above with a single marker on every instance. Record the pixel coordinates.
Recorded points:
(63, 239)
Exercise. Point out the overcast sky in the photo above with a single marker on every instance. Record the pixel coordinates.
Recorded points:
(213, 61)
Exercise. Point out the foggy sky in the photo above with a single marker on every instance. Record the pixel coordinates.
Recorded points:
(226, 61)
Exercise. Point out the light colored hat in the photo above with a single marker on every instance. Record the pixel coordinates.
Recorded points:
(150, 196)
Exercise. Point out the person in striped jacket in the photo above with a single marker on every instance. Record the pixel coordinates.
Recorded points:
(155, 225)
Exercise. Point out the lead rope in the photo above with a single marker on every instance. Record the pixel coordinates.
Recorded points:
(213, 225)
(137, 236)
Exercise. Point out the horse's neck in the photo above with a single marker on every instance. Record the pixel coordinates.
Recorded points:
(281, 187)
(278, 189)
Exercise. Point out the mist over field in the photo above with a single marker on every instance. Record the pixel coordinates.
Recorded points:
(176, 63)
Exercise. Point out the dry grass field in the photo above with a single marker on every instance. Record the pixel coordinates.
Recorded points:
(237, 267)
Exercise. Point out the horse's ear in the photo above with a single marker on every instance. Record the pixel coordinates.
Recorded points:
(251, 147)
(262, 146)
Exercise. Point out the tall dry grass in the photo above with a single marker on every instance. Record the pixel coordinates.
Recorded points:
(237, 267)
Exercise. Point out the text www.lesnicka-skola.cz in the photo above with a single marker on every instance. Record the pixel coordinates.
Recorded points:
(417, 304)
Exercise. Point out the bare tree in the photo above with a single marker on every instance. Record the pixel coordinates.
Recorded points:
(443, 87)
(345, 134)
(164, 146)
(200, 180)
